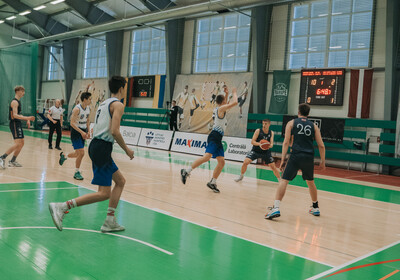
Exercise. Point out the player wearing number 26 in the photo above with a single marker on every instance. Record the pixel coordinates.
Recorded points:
(303, 133)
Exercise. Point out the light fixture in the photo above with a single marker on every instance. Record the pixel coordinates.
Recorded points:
(20, 39)
(39, 8)
(11, 18)
(1, 21)
(25, 13)
(57, 1)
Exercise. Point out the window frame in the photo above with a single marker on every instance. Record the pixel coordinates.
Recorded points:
(97, 58)
(328, 33)
(54, 75)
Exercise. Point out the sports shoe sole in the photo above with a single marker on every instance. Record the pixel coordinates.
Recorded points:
(272, 216)
(52, 216)
(214, 189)
(183, 177)
(315, 214)
(104, 230)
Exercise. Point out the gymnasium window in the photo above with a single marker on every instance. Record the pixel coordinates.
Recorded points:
(330, 33)
(55, 72)
(222, 43)
(148, 55)
(95, 60)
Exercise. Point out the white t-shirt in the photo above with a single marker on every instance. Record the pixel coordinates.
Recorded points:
(55, 112)
(83, 116)
(102, 122)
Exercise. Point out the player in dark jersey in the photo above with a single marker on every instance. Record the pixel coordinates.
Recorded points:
(15, 118)
(303, 132)
(256, 152)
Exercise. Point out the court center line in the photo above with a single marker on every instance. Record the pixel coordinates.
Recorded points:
(95, 231)
(352, 261)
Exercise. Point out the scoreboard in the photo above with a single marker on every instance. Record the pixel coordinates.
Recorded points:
(322, 86)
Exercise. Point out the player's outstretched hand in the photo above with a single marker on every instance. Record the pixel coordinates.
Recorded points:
(28, 124)
(31, 118)
(129, 153)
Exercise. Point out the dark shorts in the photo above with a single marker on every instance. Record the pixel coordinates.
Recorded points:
(214, 144)
(241, 101)
(102, 163)
(16, 130)
(76, 138)
(266, 157)
(192, 110)
(180, 110)
(299, 161)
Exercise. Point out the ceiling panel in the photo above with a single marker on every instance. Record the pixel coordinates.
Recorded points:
(32, 29)
(123, 9)
(71, 20)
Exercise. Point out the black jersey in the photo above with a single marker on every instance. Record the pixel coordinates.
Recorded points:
(11, 113)
(262, 135)
(303, 134)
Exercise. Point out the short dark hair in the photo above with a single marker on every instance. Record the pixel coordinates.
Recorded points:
(85, 95)
(115, 83)
(220, 99)
(304, 109)
(266, 120)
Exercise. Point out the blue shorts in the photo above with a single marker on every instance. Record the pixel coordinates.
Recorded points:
(102, 163)
(76, 138)
(214, 144)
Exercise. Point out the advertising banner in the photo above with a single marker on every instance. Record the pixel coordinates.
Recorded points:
(195, 95)
(155, 138)
(130, 134)
(194, 143)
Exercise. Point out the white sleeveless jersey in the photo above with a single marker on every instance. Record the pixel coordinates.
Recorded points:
(102, 124)
(83, 116)
(219, 124)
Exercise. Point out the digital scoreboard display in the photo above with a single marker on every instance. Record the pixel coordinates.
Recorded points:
(322, 86)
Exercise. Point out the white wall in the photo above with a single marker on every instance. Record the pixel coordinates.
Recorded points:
(53, 90)
(187, 53)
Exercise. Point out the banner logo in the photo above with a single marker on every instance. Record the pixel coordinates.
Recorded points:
(280, 92)
(190, 143)
(224, 145)
(149, 137)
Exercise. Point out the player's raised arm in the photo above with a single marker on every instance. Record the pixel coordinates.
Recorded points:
(226, 107)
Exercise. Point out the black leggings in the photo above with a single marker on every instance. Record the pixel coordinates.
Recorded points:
(57, 127)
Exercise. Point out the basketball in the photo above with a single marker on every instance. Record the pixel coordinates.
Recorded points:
(264, 144)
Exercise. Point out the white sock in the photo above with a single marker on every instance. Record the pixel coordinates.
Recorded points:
(242, 175)
(213, 181)
(277, 203)
(69, 204)
(188, 170)
(76, 169)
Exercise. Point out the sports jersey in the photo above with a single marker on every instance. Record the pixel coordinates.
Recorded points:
(83, 116)
(262, 135)
(102, 124)
(303, 136)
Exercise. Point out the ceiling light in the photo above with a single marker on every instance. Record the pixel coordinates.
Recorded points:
(39, 8)
(11, 18)
(25, 13)
(1, 21)
(57, 1)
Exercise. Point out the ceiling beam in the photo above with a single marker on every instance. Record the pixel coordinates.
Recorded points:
(42, 20)
(158, 5)
(89, 11)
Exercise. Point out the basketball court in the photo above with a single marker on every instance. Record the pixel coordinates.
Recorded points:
(176, 231)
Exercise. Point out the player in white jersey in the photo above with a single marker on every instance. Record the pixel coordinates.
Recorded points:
(80, 125)
(105, 131)
(180, 102)
(214, 142)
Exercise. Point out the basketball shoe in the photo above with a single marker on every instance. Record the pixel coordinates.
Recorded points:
(111, 225)
(62, 158)
(57, 213)
(314, 211)
(78, 176)
(240, 178)
(213, 187)
(14, 164)
(184, 175)
(273, 213)
(2, 163)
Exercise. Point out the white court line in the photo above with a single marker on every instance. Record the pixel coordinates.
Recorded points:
(251, 241)
(44, 189)
(352, 261)
(96, 231)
